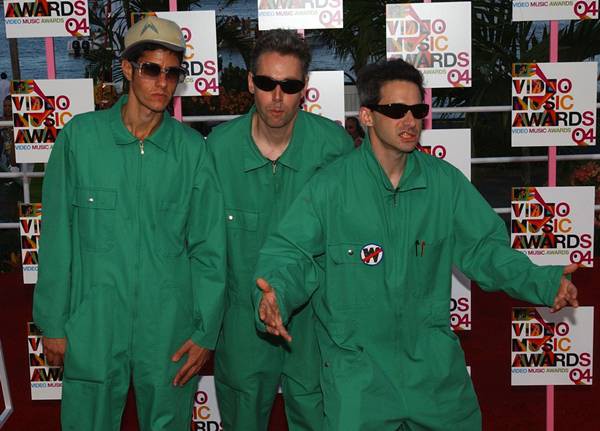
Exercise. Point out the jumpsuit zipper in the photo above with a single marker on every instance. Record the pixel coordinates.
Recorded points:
(136, 282)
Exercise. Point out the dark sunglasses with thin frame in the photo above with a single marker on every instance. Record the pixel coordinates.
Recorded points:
(399, 110)
(288, 86)
(153, 70)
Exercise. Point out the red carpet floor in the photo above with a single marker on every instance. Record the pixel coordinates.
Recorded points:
(487, 349)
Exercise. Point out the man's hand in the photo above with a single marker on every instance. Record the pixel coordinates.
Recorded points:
(197, 356)
(54, 350)
(268, 311)
(567, 293)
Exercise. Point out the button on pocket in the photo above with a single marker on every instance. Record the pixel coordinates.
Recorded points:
(95, 213)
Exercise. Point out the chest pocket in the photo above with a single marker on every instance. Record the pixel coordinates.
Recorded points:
(429, 268)
(242, 238)
(354, 276)
(171, 226)
(95, 214)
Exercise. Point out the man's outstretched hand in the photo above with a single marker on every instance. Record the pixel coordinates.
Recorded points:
(567, 293)
(268, 311)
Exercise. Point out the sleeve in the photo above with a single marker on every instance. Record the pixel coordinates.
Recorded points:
(53, 290)
(482, 251)
(206, 245)
(339, 143)
(287, 259)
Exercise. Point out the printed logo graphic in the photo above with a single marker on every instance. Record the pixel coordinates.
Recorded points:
(533, 10)
(325, 95)
(30, 226)
(552, 348)
(435, 38)
(371, 254)
(205, 414)
(553, 104)
(46, 382)
(300, 14)
(43, 18)
(41, 108)
(554, 225)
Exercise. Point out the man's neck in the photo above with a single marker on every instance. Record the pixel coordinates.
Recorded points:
(139, 120)
(391, 160)
(271, 142)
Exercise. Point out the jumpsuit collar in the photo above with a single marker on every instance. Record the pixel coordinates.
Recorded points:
(412, 178)
(253, 159)
(161, 137)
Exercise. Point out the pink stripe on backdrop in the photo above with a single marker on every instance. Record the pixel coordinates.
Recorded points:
(550, 408)
(428, 91)
(551, 183)
(50, 63)
(428, 119)
(553, 59)
(177, 111)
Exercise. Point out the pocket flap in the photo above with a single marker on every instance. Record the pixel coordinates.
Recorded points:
(348, 253)
(95, 198)
(241, 219)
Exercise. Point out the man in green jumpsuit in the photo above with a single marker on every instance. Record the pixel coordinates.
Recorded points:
(132, 263)
(390, 222)
(263, 159)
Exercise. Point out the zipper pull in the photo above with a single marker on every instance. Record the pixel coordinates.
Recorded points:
(142, 147)
(274, 165)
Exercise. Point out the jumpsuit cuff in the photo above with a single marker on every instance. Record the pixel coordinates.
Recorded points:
(52, 329)
(202, 339)
(550, 282)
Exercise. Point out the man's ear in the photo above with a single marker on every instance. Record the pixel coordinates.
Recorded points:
(127, 69)
(366, 116)
(250, 83)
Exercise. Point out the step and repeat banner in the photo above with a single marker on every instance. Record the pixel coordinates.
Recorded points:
(435, 38)
(553, 104)
(41, 108)
(46, 18)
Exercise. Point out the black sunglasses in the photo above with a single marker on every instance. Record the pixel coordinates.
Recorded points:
(153, 70)
(399, 110)
(288, 86)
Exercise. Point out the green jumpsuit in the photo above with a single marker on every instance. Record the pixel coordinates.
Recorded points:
(248, 364)
(389, 358)
(132, 264)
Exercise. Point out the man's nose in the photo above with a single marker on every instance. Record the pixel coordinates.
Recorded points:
(277, 93)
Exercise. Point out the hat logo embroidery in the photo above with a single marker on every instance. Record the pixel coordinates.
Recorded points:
(147, 26)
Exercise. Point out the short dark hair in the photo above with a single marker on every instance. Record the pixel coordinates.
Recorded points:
(137, 51)
(283, 42)
(373, 76)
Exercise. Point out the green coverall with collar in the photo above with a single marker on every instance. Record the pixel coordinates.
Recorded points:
(389, 358)
(249, 365)
(132, 264)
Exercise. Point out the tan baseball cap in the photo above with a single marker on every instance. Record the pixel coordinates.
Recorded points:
(153, 29)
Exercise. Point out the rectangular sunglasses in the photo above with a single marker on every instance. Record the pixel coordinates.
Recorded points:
(288, 86)
(399, 110)
(153, 70)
